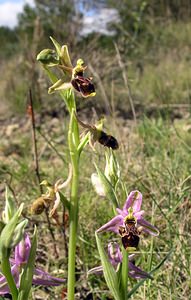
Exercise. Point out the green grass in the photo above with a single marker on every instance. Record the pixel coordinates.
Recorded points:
(155, 158)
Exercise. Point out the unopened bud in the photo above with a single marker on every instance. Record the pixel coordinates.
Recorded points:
(10, 232)
(112, 171)
(10, 207)
(48, 57)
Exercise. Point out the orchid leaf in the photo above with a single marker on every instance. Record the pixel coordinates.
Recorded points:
(110, 275)
(109, 191)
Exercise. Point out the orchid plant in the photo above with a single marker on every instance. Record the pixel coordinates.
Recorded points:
(19, 273)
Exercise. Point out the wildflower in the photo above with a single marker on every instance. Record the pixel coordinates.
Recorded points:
(81, 84)
(97, 134)
(133, 202)
(21, 255)
(52, 196)
(115, 257)
(61, 59)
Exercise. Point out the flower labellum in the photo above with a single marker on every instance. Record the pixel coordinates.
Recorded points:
(134, 201)
(84, 86)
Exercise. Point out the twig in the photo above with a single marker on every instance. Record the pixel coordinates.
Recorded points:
(125, 78)
(51, 145)
(35, 152)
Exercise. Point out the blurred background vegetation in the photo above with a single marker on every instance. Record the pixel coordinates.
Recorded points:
(144, 55)
(153, 39)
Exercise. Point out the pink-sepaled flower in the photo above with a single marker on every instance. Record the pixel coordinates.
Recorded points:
(20, 259)
(133, 202)
(115, 257)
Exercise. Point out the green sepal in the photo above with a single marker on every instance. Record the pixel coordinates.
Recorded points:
(57, 46)
(110, 274)
(7, 235)
(19, 233)
(58, 86)
(109, 191)
(65, 57)
(27, 275)
(54, 79)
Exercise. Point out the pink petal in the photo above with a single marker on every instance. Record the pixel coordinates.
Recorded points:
(112, 225)
(114, 253)
(137, 273)
(97, 270)
(134, 200)
(138, 215)
(22, 251)
(147, 227)
(43, 278)
(121, 212)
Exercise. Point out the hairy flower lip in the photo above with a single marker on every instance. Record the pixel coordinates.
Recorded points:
(134, 200)
(84, 86)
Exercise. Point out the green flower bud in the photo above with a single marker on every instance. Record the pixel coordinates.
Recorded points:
(112, 171)
(10, 207)
(48, 57)
(18, 233)
(8, 234)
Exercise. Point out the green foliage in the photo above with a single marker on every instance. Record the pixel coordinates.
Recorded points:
(109, 272)
(9, 40)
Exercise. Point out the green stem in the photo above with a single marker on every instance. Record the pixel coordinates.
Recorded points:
(73, 138)
(6, 270)
(124, 277)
